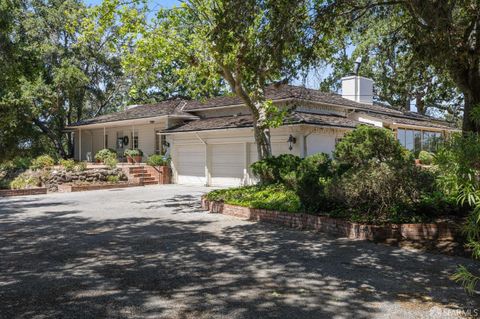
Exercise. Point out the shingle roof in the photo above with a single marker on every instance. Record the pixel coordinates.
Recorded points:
(242, 121)
(413, 119)
(285, 91)
(169, 107)
(273, 92)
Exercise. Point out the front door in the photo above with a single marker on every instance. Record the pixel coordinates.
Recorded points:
(120, 144)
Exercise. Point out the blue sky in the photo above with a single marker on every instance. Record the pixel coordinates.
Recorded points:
(312, 80)
(152, 3)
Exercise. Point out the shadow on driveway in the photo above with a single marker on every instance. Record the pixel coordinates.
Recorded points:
(63, 265)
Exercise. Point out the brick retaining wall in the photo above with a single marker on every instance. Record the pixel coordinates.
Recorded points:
(66, 188)
(22, 192)
(443, 236)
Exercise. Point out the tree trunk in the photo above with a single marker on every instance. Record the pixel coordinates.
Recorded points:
(56, 140)
(262, 138)
(469, 82)
(471, 102)
(420, 103)
(261, 129)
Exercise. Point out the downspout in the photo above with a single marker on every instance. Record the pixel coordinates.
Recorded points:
(305, 150)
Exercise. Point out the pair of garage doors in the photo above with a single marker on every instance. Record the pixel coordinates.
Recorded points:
(227, 162)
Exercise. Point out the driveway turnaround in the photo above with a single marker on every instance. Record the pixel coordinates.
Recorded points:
(150, 252)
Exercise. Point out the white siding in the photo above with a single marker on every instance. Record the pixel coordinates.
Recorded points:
(320, 143)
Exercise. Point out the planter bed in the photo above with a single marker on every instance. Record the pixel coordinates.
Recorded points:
(68, 188)
(443, 237)
(22, 192)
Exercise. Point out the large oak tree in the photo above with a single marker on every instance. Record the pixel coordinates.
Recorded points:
(440, 34)
(204, 44)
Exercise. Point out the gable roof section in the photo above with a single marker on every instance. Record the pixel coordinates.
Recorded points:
(169, 107)
(245, 121)
(289, 92)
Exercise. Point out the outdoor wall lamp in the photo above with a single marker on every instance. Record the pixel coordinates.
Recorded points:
(291, 140)
(166, 144)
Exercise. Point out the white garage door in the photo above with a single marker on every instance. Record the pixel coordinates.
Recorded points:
(190, 164)
(227, 164)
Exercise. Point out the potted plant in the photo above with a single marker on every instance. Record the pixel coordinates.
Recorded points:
(133, 155)
(161, 164)
(158, 160)
(104, 154)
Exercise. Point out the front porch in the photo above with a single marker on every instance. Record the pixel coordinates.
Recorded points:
(141, 134)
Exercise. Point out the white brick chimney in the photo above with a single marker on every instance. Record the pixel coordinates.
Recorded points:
(357, 88)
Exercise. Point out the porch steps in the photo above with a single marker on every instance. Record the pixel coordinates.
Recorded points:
(139, 174)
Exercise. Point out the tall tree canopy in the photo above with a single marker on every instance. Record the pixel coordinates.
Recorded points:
(436, 42)
(204, 45)
(52, 75)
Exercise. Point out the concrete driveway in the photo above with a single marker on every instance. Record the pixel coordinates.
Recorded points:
(149, 252)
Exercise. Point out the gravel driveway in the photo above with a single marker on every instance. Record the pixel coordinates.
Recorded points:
(149, 252)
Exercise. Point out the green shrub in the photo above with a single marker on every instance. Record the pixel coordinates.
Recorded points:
(113, 179)
(378, 190)
(106, 153)
(43, 161)
(21, 162)
(311, 178)
(425, 157)
(80, 167)
(110, 162)
(24, 180)
(158, 160)
(272, 197)
(276, 169)
(366, 143)
(4, 183)
(133, 152)
(68, 164)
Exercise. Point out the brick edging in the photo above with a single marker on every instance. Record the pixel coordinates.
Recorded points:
(65, 188)
(23, 192)
(442, 236)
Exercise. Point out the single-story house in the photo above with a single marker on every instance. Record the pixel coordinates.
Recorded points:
(211, 141)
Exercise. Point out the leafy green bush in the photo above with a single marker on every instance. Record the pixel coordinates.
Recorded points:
(80, 167)
(272, 197)
(133, 152)
(113, 179)
(110, 162)
(158, 160)
(425, 157)
(43, 161)
(25, 180)
(366, 143)
(106, 153)
(380, 191)
(311, 178)
(275, 169)
(458, 166)
(68, 164)
(21, 162)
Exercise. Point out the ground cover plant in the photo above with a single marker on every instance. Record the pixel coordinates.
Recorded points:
(370, 178)
(272, 197)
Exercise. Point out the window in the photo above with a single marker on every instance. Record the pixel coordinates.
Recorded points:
(416, 141)
(160, 143)
(401, 136)
(135, 142)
